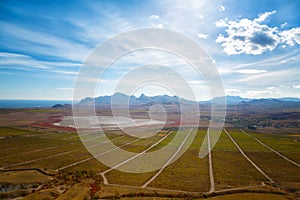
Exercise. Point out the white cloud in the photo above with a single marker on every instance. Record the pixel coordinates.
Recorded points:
(221, 8)
(284, 25)
(250, 71)
(64, 72)
(65, 88)
(252, 37)
(221, 22)
(258, 94)
(225, 70)
(248, 36)
(155, 21)
(296, 86)
(291, 37)
(202, 36)
(272, 88)
(154, 17)
(263, 16)
(268, 92)
(160, 26)
(231, 91)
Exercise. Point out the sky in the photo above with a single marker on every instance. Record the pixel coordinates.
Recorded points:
(254, 45)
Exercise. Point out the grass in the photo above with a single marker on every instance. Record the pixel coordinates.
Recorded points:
(231, 169)
(123, 178)
(58, 161)
(16, 177)
(136, 179)
(63, 160)
(284, 144)
(91, 165)
(280, 170)
(22, 157)
(188, 173)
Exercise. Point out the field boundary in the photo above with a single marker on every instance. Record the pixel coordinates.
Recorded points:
(259, 189)
(30, 169)
(242, 152)
(279, 154)
(152, 188)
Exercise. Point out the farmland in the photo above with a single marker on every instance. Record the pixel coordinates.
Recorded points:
(243, 162)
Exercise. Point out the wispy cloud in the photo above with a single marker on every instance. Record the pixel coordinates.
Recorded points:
(64, 72)
(251, 71)
(42, 43)
(280, 76)
(65, 88)
(18, 61)
(102, 22)
(274, 60)
(13, 62)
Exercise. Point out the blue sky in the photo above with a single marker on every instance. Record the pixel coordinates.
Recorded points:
(254, 43)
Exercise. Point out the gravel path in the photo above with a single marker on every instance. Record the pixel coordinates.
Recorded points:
(211, 172)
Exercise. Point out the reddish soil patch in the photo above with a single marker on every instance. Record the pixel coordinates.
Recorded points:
(49, 124)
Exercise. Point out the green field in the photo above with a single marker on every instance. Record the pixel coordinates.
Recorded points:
(24, 149)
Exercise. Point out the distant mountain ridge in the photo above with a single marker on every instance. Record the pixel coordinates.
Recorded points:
(122, 99)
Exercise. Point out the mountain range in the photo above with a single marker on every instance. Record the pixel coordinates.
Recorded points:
(143, 100)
